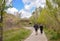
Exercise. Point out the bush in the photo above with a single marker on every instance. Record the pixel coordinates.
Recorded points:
(52, 35)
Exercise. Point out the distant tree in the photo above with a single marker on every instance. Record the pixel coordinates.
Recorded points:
(36, 14)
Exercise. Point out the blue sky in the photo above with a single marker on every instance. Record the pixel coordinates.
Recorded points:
(18, 4)
(25, 7)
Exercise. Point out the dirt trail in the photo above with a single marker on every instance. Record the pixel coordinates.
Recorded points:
(33, 37)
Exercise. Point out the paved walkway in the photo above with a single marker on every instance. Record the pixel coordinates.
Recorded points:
(33, 37)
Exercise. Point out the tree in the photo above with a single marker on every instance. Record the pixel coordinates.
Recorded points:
(1, 18)
(2, 8)
(49, 16)
(35, 15)
(56, 2)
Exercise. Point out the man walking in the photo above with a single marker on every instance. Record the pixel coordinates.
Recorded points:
(36, 28)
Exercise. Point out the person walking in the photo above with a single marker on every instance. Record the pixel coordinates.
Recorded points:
(41, 28)
(36, 28)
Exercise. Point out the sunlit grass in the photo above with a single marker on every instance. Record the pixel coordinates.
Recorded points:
(16, 34)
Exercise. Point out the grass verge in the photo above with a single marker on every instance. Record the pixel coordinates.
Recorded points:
(16, 34)
(52, 35)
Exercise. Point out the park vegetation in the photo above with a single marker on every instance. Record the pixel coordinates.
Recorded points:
(10, 25)
(50, 18)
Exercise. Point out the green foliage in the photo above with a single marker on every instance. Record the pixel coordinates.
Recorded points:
(1, 24)
(53, 22)
(52, 35)
(57, 2)
(49, 4)
(49, 16)
(41, 18)
(0, 2)
(32, 19)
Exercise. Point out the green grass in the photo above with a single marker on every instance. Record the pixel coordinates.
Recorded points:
(16, 34)
(52, 35)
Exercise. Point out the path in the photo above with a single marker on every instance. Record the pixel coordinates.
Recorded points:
(33, 37)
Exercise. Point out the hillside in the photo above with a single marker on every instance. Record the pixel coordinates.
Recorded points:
(10, 21)
(12, 28)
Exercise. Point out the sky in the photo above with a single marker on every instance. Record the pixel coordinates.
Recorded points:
(26, 7)
(18, 4)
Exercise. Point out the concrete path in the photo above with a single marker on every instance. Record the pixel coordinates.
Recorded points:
(33, 37)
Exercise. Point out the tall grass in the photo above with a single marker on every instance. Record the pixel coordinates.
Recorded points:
(16, 34)
(52, 35)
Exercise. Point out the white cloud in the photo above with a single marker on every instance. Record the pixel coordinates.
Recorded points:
(12, 10)
(29, 4)
(27, 1)
(33, 3)
(38, 3)
(25, 13)
(28, 7)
